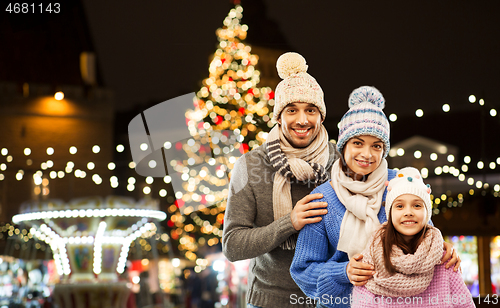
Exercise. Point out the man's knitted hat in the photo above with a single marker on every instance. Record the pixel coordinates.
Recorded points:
(297, 85)
(408, 181)
(365, 117)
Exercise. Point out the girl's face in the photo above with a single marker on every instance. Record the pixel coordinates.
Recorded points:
(363, 154)
(408, 215)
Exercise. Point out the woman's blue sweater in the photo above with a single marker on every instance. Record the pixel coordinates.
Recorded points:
(318, 268)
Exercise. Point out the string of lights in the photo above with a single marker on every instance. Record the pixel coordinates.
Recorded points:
(446, 108)
(39, 179)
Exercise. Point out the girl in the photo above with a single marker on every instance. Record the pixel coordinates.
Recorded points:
(326, 263)
(405, 252)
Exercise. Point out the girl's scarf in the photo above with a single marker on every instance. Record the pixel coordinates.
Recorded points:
(414, 272)
(362, 201)
(300, 164)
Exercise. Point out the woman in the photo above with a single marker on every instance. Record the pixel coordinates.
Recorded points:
(326, 261)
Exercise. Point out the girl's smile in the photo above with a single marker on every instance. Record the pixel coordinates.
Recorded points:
(408, 215)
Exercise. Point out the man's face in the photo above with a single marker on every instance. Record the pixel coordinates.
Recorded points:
(300, 123)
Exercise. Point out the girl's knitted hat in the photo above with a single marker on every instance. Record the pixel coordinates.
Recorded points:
(297, 85)
(365, 117)
(408, 181)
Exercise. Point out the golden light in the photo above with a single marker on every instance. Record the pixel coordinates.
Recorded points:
(59, 95)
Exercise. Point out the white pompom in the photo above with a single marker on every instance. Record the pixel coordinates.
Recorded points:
(366, 94)
(290, 63)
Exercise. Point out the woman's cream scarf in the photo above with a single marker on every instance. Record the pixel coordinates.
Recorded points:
(299, 164)
(362, 201)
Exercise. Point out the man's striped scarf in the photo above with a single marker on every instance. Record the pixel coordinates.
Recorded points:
(298, 164)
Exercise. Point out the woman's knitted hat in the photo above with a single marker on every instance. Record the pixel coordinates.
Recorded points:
(297, 85)
(408, 181)
(365, 117)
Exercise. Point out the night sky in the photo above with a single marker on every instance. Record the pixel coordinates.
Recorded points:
(420, 54)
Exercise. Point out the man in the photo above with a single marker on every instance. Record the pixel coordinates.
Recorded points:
(269, 201)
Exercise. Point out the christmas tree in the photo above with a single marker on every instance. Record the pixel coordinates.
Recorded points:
(229, 98)
(232, 115)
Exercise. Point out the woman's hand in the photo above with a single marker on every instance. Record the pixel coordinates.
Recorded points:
(359, 272)
(450, 252)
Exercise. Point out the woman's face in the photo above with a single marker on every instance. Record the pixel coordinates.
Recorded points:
(363, 154)
(408, 215)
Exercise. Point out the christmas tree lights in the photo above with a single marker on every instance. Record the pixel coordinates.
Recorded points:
(232, 115)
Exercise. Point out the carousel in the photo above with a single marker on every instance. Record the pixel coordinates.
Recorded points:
(90, 240)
